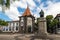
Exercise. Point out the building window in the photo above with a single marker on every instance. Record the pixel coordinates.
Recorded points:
(17, 24)
(4, 29)
(9, 28)
(16, 27)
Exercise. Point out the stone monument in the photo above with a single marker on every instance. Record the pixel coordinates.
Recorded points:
(42, 28)
(42, 24)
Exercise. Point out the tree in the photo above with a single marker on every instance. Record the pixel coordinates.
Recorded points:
(49, 18)
(51, 24)
(5, 4)
(3, 23)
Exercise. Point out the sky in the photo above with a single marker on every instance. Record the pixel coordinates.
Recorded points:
(17, 8)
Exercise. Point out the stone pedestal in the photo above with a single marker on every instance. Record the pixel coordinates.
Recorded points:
(42, 29)
(42, 26)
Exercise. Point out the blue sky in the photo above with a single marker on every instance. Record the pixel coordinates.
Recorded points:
(17, 8)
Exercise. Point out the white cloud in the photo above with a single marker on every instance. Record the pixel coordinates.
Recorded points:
(20, 4)
(12, 13)
(53, 8)
(23, 3)
(31, 3)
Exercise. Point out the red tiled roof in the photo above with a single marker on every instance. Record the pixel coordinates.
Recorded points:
(27, 12)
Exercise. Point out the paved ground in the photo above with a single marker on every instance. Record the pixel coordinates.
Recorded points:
(22, 36)
(7, 37)
(15, 36)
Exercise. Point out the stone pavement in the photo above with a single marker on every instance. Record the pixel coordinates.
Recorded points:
(48, 37)
(15, 36)
(24, 37)
(7, 36)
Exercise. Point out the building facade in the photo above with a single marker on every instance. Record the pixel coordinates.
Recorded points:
(25, 24)
(58, 25)
(27, 21)
(13, 26)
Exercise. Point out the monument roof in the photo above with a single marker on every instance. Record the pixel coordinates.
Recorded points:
(27, 12)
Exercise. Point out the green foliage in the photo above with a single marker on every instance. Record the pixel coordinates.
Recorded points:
(55, 21)
(49, 17)
(3, 23)
(1, 2)
(5, 5)
(8, 3)
(51, 23)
